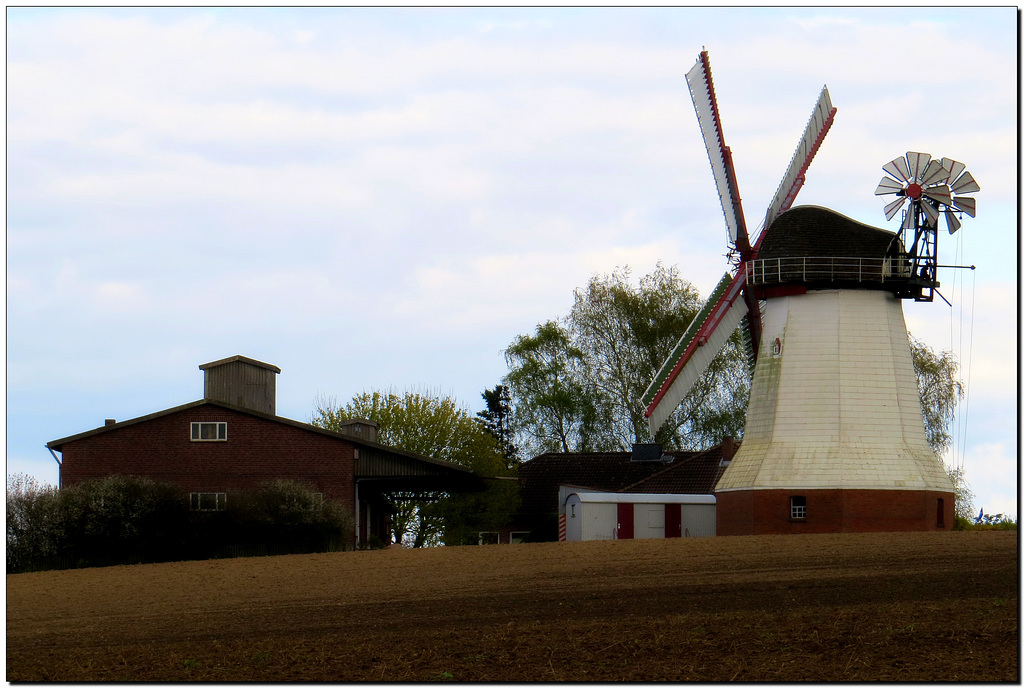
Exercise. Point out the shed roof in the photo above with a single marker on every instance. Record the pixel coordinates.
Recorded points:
(688, 473)
(642, 498)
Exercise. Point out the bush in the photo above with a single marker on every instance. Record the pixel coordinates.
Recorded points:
(987, 522)
(120, 519)
(288, 514)
(126, 519)
(30, 509)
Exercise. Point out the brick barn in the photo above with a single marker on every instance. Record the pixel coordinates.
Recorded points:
(232, 440)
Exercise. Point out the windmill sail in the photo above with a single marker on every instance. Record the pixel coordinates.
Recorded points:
(817, 126)
(702, 90)
(707, 334)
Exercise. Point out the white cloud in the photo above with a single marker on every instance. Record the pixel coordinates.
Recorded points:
(120, 297)
(491, 291)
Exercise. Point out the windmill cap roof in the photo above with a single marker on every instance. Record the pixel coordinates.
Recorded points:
(810, 230)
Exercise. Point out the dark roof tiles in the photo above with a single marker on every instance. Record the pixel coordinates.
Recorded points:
(688, 473)
(808, 230)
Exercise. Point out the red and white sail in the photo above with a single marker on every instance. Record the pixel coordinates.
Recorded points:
(702, 91)
(818, 125)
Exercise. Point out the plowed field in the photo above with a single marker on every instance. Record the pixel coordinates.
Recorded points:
(856, 607)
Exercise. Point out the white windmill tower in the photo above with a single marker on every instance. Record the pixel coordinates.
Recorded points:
(835, 438)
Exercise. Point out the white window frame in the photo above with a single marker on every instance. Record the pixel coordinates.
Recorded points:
(798, 512)
(487, 535)
(221, 431)
(195, 501)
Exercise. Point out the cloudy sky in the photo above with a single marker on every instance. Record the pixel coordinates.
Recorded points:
(385, 198)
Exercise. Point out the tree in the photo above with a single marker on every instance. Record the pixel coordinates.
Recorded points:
(578, 383)
(962, 493)
(497, 420)
(554, 410)
(29, 521)
(940, 390)
(437, 426)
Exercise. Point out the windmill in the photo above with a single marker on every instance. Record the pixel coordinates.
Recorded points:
(732, 302)
(834, 438)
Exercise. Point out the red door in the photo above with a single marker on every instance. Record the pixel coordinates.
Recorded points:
(625, 529)
(673, 520)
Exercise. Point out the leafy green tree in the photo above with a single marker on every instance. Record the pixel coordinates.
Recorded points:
(554, 410)
(578, 383)
(962, 493)
(626, 333)
(437, 426)
(497, 420)
(940, 389)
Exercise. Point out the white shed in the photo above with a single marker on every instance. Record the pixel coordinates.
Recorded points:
(590, 515)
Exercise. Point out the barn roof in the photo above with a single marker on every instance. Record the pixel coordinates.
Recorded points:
(377, 461)
(239, 359)
(688, 473)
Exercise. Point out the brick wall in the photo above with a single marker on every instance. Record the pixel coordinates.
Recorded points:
(754, 512)
(256, 450)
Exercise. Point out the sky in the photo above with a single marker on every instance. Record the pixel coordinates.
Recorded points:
(385, 198)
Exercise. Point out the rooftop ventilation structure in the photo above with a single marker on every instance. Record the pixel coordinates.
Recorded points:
(243, 382)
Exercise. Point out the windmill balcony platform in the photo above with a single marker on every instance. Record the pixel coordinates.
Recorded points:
(867, 272)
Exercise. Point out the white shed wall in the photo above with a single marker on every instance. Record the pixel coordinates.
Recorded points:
(648, 521)
(594, 515)
(600, 521)
(699, 520)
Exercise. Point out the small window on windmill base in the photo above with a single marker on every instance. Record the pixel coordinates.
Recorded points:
(798, 508)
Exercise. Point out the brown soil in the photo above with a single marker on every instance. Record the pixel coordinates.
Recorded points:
(854, 607)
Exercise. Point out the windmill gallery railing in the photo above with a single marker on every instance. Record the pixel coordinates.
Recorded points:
(817, 269)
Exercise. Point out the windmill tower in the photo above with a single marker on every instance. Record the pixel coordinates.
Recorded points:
(835, 439)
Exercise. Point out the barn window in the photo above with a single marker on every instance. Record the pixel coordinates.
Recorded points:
(798, 508)
(940, 516)
(208, 501)
(209, 432)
